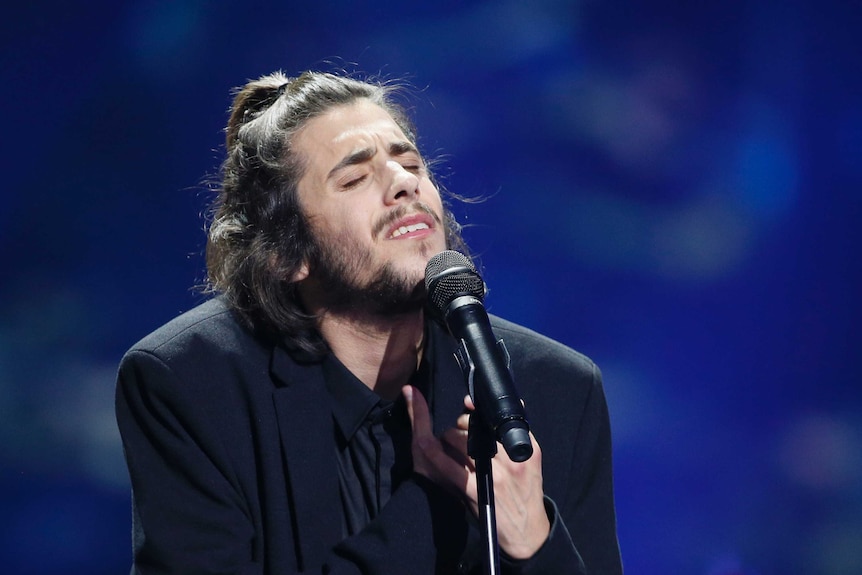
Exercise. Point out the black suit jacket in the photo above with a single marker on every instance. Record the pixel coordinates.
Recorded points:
(229, 443)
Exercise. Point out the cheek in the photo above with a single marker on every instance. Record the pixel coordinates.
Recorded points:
(431, 196)
(351, 219)
(332, 212)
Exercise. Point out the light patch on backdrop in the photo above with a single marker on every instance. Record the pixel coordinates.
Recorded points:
(81, 414)
(719, 194)
(704, 238)
(834, 548)
(635, 119)
(701, 238)
(163, 35)
(483, 37)
(821, 452)
(638, 408)
(729, 564)
(765, 177)
(73, 427)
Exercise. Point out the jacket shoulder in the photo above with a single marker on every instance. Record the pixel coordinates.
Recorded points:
(210, 330)
(528, 347)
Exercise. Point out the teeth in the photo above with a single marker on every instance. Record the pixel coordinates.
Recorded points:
(406, 229)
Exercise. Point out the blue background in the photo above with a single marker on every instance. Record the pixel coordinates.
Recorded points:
(675, 191)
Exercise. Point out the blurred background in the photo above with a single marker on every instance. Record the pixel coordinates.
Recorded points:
(674, 190)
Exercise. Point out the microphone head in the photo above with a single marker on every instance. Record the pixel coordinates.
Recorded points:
(448, 275)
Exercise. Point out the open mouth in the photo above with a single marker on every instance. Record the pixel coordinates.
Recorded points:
(413, 225)
(408, 229)
(415, 221)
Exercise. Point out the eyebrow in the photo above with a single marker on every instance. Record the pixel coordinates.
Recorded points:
(398, 148)
(402, 147)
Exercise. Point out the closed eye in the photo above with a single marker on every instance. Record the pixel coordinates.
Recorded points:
(353, 183)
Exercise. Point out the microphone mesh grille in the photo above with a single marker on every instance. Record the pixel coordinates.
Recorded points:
(451, 274)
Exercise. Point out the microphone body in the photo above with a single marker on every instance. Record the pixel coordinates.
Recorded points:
(455, 292)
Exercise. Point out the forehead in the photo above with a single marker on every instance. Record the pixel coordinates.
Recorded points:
(344, 129)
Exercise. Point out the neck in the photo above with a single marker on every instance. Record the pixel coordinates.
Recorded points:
(383, 352)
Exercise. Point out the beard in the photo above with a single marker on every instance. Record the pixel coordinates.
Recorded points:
(339, 265)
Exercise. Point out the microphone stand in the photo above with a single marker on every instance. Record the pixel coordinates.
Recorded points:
(482, 446)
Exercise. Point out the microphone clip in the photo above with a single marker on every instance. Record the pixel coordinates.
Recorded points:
(481, 437)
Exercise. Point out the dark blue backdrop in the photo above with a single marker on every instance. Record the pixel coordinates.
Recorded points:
(676, 192)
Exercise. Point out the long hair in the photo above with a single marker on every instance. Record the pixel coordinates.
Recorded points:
(259, 237)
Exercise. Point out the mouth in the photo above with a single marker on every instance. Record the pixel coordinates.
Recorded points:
(409, 229)
(404, 222)
(416, 225)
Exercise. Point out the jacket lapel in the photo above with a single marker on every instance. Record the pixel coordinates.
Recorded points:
(304, 416)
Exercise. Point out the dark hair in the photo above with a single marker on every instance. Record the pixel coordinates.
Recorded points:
(259, 237)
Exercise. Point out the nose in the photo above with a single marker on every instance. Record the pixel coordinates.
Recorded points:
(403, 184)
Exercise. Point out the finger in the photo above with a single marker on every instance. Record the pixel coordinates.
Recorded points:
(432, 458)
(463, 422)
(468, 403)
(417, 409)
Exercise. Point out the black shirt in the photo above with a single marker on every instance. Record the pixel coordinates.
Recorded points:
(372, 441)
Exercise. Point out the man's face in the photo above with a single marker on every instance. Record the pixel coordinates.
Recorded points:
(373, 210)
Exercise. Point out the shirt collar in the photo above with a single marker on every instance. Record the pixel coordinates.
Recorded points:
(353, 401)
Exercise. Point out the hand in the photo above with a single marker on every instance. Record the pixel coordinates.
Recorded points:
(522, 523)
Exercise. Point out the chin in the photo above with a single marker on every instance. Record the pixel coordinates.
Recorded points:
(413, 266)
(418, 268)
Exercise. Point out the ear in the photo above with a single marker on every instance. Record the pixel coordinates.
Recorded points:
(301, 273)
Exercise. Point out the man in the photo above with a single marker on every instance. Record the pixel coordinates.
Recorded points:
(310, 419)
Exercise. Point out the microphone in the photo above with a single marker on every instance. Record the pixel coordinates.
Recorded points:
(455, 295)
